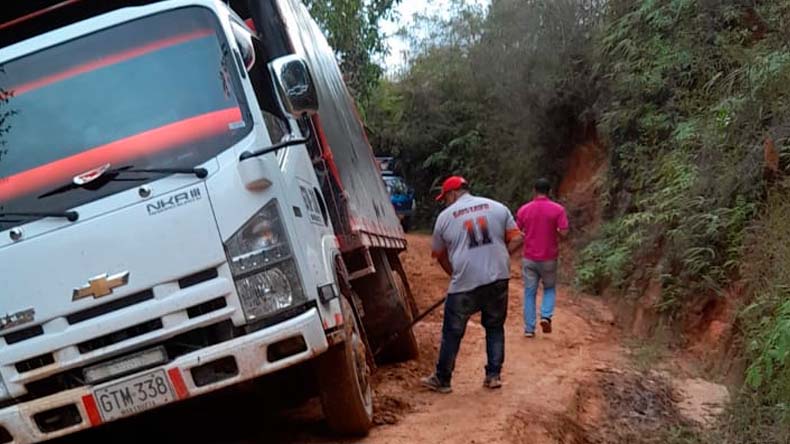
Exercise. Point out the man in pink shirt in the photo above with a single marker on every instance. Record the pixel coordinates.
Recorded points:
(542, 221)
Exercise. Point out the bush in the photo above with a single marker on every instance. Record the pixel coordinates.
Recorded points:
(761, 413)
(685, 109)
(695, 92)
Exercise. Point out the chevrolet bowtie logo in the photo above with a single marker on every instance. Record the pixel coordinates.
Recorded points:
(101, 286)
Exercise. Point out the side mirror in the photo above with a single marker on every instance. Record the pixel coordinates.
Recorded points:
(295, 86)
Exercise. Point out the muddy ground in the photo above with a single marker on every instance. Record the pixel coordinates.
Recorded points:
(558, 388)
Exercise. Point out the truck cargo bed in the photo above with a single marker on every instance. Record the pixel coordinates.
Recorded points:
(372, 219)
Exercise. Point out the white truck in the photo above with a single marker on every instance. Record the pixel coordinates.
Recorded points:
(188, 201)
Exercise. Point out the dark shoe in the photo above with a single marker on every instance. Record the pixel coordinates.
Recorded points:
(529, 334)
(433, 383)
(545, 324)
(492, 382)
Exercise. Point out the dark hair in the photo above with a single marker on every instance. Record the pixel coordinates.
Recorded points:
(542, 186)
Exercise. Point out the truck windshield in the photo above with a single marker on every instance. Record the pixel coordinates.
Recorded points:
(156, 92)
(395, 185)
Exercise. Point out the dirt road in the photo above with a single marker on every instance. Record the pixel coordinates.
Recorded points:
(541, 376)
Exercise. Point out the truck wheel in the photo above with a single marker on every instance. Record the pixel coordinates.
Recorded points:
(405, 346)
(344, 381)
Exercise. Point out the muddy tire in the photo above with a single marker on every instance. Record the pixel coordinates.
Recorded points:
(344, 381)
(405, 347)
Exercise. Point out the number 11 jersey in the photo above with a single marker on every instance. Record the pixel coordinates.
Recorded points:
(473, 232)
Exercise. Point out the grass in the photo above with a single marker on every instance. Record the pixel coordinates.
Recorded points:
(686, 434)
(648, 353)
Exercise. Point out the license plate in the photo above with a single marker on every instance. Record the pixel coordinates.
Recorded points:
(134, 395)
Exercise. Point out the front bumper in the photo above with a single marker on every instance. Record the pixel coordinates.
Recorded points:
(249, 352)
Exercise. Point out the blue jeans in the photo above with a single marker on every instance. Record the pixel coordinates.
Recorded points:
(533, 273)
(491, 301)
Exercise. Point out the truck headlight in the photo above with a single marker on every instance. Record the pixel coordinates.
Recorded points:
(262, 265)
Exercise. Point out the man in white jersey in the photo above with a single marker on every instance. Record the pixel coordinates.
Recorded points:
(472, 240)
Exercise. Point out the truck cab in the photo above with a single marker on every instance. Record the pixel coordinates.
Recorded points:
(170, 220)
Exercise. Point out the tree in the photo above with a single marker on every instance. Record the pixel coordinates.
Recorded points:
(352, 28)
(498, 94)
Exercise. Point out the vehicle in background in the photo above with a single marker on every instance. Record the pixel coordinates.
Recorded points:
(402, 198)
(188, 200)
(401, 194)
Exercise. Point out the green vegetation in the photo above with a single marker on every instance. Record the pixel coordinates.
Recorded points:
(647, 353)
(499, 96)
(696, 94)
(691, 99)
(762, 412)
(352, 28)
(694, 88)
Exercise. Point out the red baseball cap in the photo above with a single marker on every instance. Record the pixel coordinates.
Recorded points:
(452, 183)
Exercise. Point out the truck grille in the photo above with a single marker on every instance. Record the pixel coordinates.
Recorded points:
(95, 312)
(23, 335)
(34, 363)
(120, 336)
(194, 279)
(197, 311)
(110, 345)
(138, 298)
(175, 347)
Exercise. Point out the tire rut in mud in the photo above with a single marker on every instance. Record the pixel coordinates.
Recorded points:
(613, 406)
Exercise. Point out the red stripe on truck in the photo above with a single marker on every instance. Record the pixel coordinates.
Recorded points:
(152, 141)
(92, 410)
(109, 60)
(177, 379)
(35, 14)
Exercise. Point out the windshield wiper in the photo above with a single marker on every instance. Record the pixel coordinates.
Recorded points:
(112, 175)
(72, 216)
(200, 173)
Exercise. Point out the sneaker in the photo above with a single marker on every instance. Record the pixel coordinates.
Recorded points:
(545, 324)
(492, 382)
(433, 383)
(529, 334)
